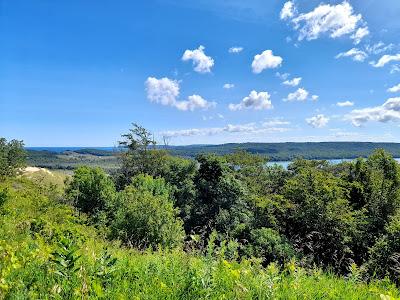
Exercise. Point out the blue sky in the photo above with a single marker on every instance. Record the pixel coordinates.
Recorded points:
(78, 73)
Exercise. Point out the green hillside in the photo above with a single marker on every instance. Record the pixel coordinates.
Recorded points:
(215, 227)
(47, 251)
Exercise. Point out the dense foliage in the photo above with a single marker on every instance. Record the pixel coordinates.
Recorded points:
(12, 157)
(48, 252)
(218, 226)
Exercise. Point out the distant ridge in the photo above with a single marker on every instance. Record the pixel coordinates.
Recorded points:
(275, 151)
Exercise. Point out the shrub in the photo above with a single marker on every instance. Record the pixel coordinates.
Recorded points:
(91, 190)
(145, 215)
(268, 244)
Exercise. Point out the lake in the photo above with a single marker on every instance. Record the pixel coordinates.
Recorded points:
(285, 164)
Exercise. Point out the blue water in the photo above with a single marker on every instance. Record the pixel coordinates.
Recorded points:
(285, 164)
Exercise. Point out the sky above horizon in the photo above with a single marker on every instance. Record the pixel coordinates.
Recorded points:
(78, 73)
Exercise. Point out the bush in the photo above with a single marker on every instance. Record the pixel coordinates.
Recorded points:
(145, 215)
(268, 244)
(91, 190)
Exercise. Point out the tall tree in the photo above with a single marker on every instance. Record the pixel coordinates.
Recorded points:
(140, 157)
(12, 157)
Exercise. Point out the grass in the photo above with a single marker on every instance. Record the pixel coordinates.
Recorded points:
(47, 251)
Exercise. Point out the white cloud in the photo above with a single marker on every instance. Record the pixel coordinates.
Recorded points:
(314, 97)
(385, 59)
(395, 69)
(254, 100)
(294, 82)
(318, 121)
(194, 102)
(265, 60)
(235, 49)
(345, 104)
(299, 95)
(201, 62)
(228, 86)
(378, 48)
(389, 111)
(360, 34)
(334, 20)
(250, 128)
(275, 122)
(165, 91)
(282, 76)
(354, 53)
(288, 10)
(394, 89)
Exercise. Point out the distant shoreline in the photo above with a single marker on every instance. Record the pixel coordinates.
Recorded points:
(276, 152)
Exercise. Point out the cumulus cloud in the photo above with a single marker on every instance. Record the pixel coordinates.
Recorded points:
(299, 95)
(235, 50)
(165, 91)
(387, 112)
(345, 104)
(385, 59)
(294, 82)
(314, 97)
(254, 100)
(194, 102)
(250, 128)
(288, 10)
(228, 86)
(265, 60)
(354, 53)
(201, 62)
(318, 121)
(394, 89)
(360, 34)
(333, 20)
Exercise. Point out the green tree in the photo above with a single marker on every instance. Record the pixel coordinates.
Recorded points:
(145, 215)
(140, 157)
(91, 190)
(384, 256)
(179, 173)
(321, 223)
(374, 189)
(221, 201)
(12, 157)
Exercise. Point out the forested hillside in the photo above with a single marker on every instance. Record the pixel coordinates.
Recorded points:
(290, 151)
(107, 158)
(217, 227)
